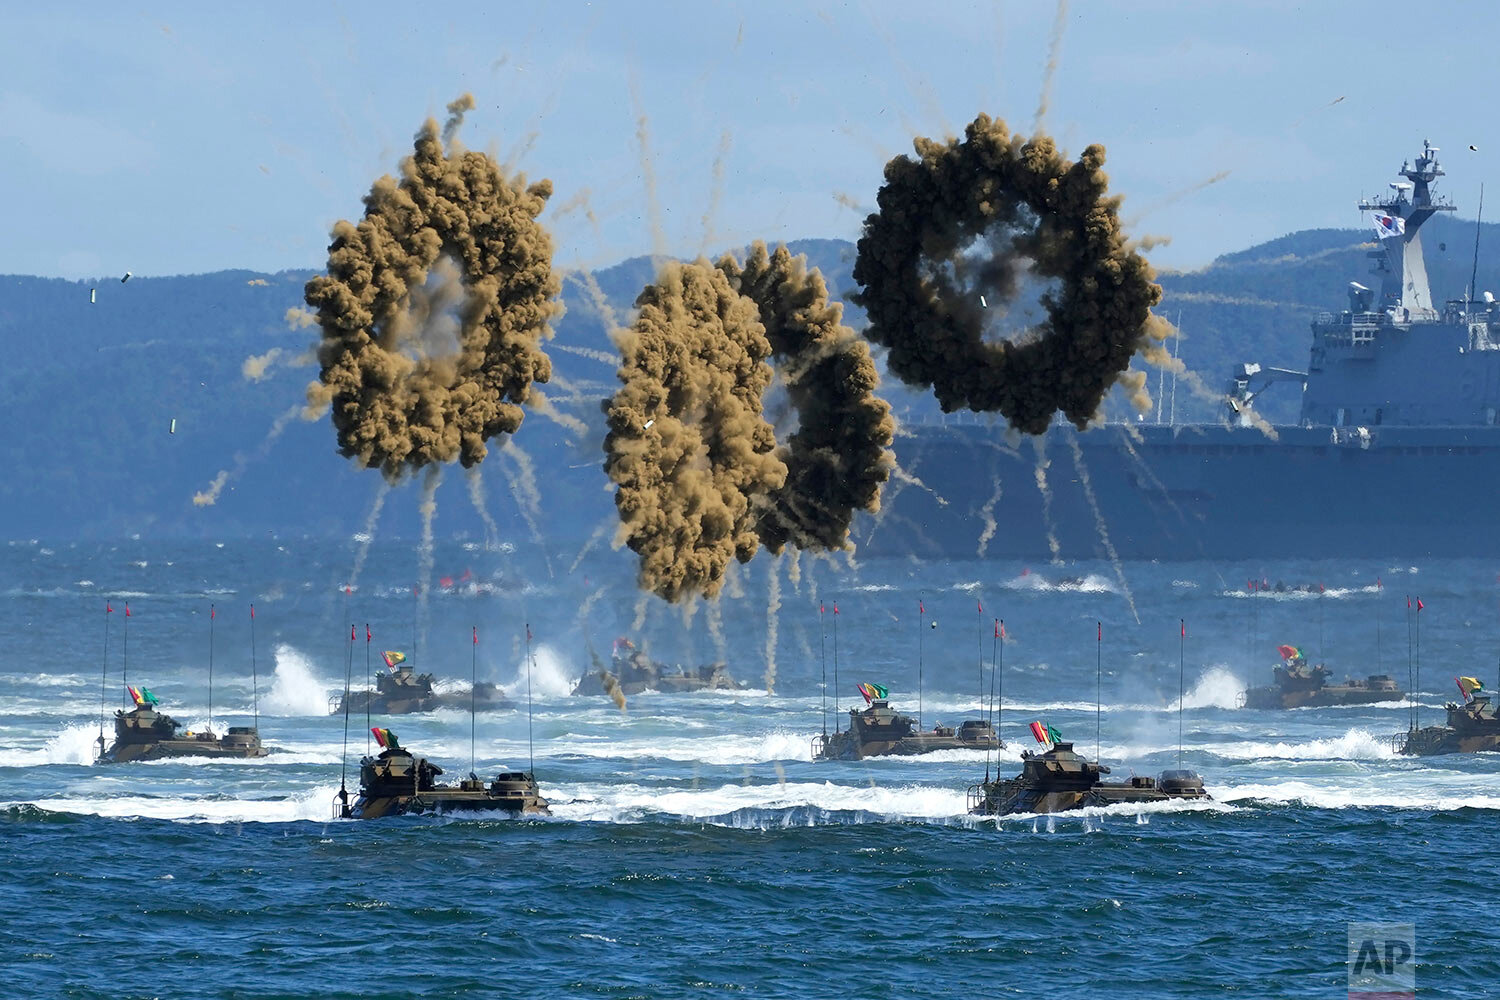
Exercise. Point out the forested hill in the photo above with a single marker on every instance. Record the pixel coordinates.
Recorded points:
(95, 388)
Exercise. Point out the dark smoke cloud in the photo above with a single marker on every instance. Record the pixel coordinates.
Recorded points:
(839, 457)
(410, 386)
(974, 215)
(701, 479)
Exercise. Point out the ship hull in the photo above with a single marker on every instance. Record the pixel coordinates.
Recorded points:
(1328, 697)
(1189, 492)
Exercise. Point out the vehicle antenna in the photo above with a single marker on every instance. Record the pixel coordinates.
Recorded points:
(369, 688)
(822, 656)
(210, 668)
(104, 674)
(530, 746)
(1411, 682)
(254, 675)
(990, 714)
(344, 755)
(921, 611)
(836, 722)
(1181, 683)
(473, 685)
(1099, 685)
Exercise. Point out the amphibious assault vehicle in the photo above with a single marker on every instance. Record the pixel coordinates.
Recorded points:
(1057, 780)
(879, 730)
(397, 782)
(146, 734)
(631, 672)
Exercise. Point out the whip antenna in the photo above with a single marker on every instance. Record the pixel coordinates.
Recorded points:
(254, 675)
(210, 668)
(1181, 684)
(530, 746)
(344, 754)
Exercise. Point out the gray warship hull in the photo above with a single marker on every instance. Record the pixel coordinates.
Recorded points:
(1194, 492)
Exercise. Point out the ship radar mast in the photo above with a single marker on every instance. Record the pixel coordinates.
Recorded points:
(1404, 291)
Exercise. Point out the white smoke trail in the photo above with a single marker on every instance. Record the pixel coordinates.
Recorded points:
(477, 497)
(428, 509)
(593, 540)
(1039, 443)
(367, 536)
(773, 622)
(988, 513)
(539, 403)
(642, 605)
(794, 570)
(210, 496)
(716, 632)
(528, 497)
(603, 357)
(1109, 547)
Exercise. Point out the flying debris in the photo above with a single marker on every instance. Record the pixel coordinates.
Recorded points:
(173, 428)
(406, 389)
(991, 209)
(126, 278)
(93, 296)
(703, 479)
(1474, 147)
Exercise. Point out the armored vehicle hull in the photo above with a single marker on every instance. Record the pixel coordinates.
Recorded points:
(879, 731)
(404, 693)
(1060, 780)
(397, 783)
(145, 734)
(632, 673)
(1471, 728)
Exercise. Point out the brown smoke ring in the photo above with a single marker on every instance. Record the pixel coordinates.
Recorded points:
(839, 457)
(400, 412)
(1058, 218)
(700, 477)
(687, 445)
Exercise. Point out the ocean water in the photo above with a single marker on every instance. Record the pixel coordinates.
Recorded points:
(694, 846)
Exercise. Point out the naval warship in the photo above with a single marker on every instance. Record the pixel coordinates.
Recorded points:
(1472, 727)
(879, 730)
(1298, 685)
(631, 672)
(401, 691)
(1396, 446)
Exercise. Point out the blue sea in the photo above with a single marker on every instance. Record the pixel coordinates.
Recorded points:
(695, 848)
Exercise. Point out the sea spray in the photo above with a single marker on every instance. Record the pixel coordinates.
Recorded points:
(295, 688)
(552, 677)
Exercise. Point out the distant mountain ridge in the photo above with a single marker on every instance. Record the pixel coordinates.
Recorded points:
(125, 407)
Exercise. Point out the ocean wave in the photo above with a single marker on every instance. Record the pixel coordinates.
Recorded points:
(1356, 744)
(313, 804)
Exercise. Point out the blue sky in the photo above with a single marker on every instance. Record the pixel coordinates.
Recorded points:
(171, 138)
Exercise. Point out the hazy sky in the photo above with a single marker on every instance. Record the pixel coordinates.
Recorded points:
(169, 138)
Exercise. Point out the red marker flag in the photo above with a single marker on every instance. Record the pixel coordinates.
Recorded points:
(1183, 623)
(997, 628)
(1408, 602)
(835, 607)
(1419, 604)
(1378, 584)
(210, 611)
(107, 609)
(127, 609)
(367, 632)
(1002, 629)
(252, 610)
(528, 631)
(351, 633)
(981, 605)
(821, 609)
(476, 635)
(1100, 626)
